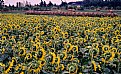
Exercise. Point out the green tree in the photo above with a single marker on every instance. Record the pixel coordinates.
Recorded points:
(1, 4)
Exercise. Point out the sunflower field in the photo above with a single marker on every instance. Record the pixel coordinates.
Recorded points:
(44, 44)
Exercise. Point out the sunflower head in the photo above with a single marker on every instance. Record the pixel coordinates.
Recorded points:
(72, 68)
(22, 51)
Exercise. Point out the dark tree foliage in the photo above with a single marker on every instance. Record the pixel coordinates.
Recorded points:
(1, 4)
(63, 3)
(41, 3)
(102, 3)
(44, 4)
(50, 4)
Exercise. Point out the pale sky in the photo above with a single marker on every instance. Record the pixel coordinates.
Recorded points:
(13, 2)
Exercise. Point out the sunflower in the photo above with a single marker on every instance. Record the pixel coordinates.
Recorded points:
(38, 69)
(94, 65)
(114, 39)
(22, 51)
(3, 37)
(63, 55)
(95, 52)
(72, 68)
(65, 35)
(99, 67)
(1, 64)
(75, 48)
(62, 67)
(68, 47)
(112, 56)
(102, 29)
(79, 33)
(118, 37)
(24, 67)
(76, 60)
(105, 48)
(66, 41)
(35, 48)
(3, 50)
(109, 56)
(95, 45)
(84, 40)
(58, 28)
(117, 32)
(28, 56)
(17, 27)
(38, 45)
(22, 72)
(42, 32)
(55, 30)
(41, 53)
(57, 62)
(56, 36)
(113, 49)
(7, 70)
(86, 32)
(10, 65)
(53, 57)
(14, 61)
(52, 50)
(103, 60)
(35, 66)
(37, 35)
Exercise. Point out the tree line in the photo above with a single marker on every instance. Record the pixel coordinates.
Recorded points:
(115, 4)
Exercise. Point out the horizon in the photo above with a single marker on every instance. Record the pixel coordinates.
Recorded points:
(13, 2)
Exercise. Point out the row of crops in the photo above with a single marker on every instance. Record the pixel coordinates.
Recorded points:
(71, 13)
(31, 44)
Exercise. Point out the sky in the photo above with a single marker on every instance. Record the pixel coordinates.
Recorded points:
(13, 2)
